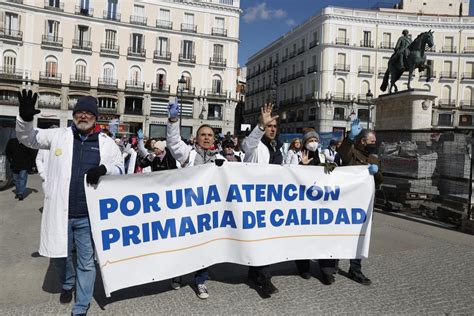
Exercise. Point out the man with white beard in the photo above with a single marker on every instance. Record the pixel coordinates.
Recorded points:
(74, 152)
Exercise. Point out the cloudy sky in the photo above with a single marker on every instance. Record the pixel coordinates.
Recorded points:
(263, 21)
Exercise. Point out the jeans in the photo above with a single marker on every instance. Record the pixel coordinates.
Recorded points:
(201, 276)
(20, 179)
(79, 233)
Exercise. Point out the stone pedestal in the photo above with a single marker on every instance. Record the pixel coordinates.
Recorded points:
(407, 110)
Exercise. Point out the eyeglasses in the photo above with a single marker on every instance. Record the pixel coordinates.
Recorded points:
(83, 113)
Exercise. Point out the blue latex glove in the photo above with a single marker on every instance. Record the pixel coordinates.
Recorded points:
(373, 169)
(173, 109)
(140, 134)
(355, 129)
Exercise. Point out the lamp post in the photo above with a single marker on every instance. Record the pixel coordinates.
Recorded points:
(369, 97)
(181, 85)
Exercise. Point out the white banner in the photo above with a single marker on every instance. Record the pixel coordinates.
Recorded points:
(155, 226)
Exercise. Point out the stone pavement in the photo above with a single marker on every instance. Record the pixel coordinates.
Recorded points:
(415, 268)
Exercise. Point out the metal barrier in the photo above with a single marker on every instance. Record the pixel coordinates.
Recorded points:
(428, 173)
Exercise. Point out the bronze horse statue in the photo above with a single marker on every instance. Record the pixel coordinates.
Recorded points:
(415, 59)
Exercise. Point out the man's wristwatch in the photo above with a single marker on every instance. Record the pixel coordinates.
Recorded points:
(261, 128)
(173, 119)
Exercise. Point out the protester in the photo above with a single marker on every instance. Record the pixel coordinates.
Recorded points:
(293, 157)
(359, 148)
(160, 159)
(77, 151)
(330, 151)
(21, 159)
(201, 153)
(228, 150)
(261, 146)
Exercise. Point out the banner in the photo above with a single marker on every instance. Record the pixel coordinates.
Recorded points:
(155, 226)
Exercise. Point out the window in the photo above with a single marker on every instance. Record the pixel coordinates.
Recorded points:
(217, 85)
(218, 52)
(189, 19)
(82, 36)
(339, 114)
(341, 59)
(135, 75)
(187, 49)
(54, 3)
(387, 40)
(444, 119)
(219, 23)
(367, 39)
(363, 115)
(162, 46)
(312, 113)
(137, 43)
(80, 73)
(109, 73)
(9, 62)
(139, 11)
(110, 36)
(465, 120)
(165, 15)
(12, 23)
(52, 29)
(340, 87)
(187, 77)
(342, 34)
(133, 105)
(215, 111)
(112, 9)
(51, 66)
(161, 78)
(449, 43)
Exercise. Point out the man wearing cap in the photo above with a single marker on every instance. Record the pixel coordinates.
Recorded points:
(330, 151)
(160, 159)
(77, 151)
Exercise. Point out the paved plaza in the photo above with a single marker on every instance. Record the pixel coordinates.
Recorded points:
(416, 268)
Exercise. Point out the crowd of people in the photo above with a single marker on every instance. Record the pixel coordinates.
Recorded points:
(69, 154)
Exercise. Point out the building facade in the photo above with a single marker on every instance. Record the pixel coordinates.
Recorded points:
(129, 54)
(321, 72)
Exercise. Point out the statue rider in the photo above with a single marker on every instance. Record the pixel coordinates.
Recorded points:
(401, 49)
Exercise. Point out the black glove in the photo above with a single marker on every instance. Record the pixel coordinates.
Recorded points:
(27, 105)
(219, 162)
(328, 167)
(93, 174)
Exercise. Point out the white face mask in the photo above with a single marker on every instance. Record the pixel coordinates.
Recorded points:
(312, 146)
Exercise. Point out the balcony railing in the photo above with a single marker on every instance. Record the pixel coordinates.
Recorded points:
(49, 104)
(84, 11)
(301, 50)
(51, 40)
(50, 77)
(283, 79)
(447, 103)
(218, 31)
(103, 110)
(312, 69)
(138, 20)
(187, 91)
(107, 83)
(293, 54)
(342, 67)
(10, 34)
(54, 5)
(448, 75)
(299, 74)
(111, 16)
(342, 41)
(424, 74)
(313, 44)
(109, 49)
(81, 45)
(134, 85)
(366, 70)
(83, 81)
(160, 88)
(284, 58)
(186, 58)
(11, 73)
(164, 24)
(467, 104)
(467, 76)
(188, 27)
(136, 52)
(468, 50)
(160, 55)
(448, 49)
(16, 1)
(133, 111)
(365, 43)
(339, 96)
(217, 62)
(217, 93)
(387, 45)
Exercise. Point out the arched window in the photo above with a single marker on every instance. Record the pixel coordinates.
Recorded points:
(135, 75)
(216, 84)
(109, 73)
(468, 97)
(161, 79)
(9, 61)
(446, 95)
(427, 87)
(81, 70)
(188, 78)
(51, 66)
(340, 89)
(364, 88)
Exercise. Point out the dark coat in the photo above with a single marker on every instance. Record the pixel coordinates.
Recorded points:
(19, 156)
(157, 164)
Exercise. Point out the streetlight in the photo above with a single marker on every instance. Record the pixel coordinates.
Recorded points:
(181, 85)
(369, 97)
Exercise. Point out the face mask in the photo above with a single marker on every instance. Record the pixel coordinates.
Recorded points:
(311, 146)
(371, 149)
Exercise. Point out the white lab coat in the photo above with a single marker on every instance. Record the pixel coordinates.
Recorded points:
(42, 166)
(59, 141)
(255, 150)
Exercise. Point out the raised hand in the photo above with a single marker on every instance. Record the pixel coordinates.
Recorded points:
(355, 129)
(140, 134)
(266, 115)
(305, 160)
(27, 102)
(173, 109)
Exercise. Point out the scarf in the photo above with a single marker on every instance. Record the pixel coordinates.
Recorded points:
(204, 156)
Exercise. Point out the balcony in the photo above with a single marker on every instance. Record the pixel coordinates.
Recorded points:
(133, 111)
(313, 44)
(12, 73)
(103, 110)
(161, 56)
(448, 75)
(160, 88)
(387, 45)
(138, 53)
(82, 46)
(447, 103)
(54, 5)
(111, 16)
(468, 50)
(424, 75)
(84, 11)
(50, 77)
(186, 92)
(107, 83)
(369, 44)
(134, 85)
(299, 74)
(50, 104)
(342, 41)
(293, 54)
(217, 62)
(52, 41)
(342, 68)
(467, 104)
(79, 81)
(109, 50)
(467, 76)
(283, 80)
(219, 32)
(301, 50)
(284, 58)
(448, 49)
(217, 93)
(312, 69)
(342, 97)
(164, 24)
(366, 70)
(138, 20)
(187, 58)
(9, 34)
(192, 28)
(16, 1)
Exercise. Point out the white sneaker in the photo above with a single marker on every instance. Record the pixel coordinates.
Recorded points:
(202, 291)
(176, 283)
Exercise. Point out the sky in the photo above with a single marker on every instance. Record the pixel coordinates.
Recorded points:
(263, 21)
